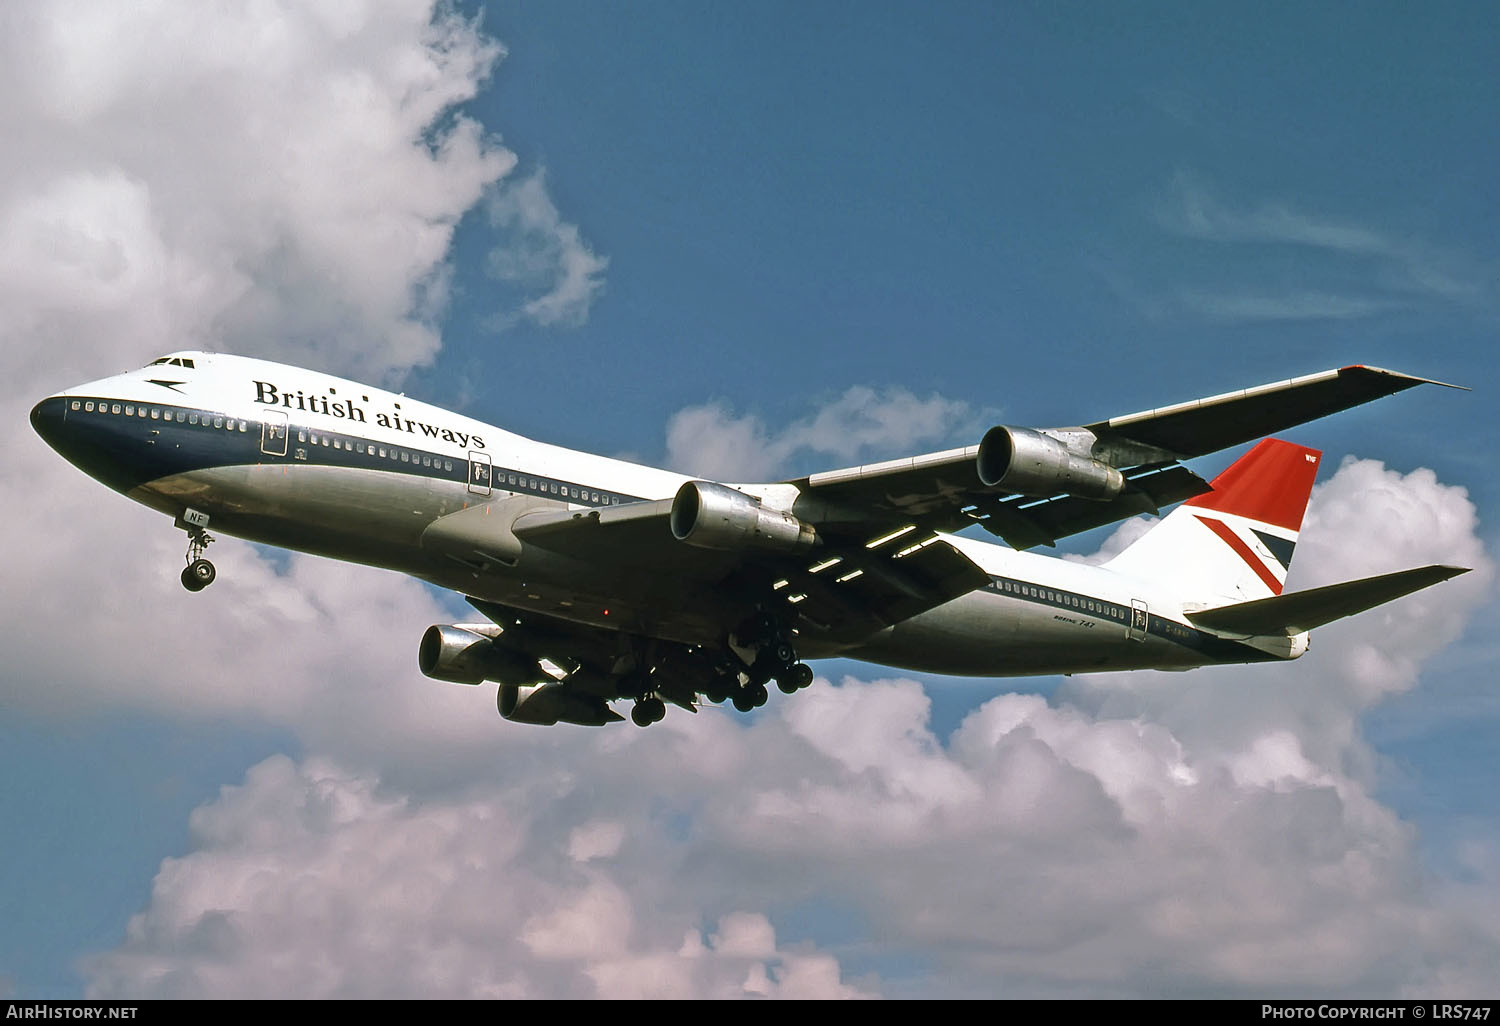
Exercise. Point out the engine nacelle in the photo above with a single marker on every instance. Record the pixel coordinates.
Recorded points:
(1031, 463)
(463, 656)
(553, 703)
(715, 516)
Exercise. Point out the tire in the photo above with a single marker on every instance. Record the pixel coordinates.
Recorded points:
(198, 574)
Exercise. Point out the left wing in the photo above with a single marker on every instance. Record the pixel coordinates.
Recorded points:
(1034, 486)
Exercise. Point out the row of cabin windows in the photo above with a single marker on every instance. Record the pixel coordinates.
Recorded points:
(562, 490)
(157, 413)
(1077, 602)
(313, 438)
(329, 441)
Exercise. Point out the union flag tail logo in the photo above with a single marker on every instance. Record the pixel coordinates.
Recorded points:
(1236, 541)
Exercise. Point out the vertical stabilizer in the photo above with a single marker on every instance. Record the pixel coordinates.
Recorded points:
(1233, 543)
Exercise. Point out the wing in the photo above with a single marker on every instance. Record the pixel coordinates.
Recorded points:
(1032, 487)
(842, 590)
(1207, 425)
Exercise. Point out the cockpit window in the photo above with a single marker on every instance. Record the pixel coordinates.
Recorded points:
(173, 361)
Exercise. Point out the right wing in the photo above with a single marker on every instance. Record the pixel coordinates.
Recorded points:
(949, 490)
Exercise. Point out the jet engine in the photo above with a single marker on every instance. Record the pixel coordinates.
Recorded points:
(715, 516)
(1032, 463)
(463, 655)
(551, 703)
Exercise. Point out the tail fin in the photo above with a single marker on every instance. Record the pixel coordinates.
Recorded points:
(1235, 542)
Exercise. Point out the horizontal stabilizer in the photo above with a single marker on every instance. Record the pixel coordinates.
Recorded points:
(1300, 611)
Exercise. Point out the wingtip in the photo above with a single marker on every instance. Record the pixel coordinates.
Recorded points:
(1413, 378)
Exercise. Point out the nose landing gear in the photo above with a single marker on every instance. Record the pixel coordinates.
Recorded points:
(199, 572)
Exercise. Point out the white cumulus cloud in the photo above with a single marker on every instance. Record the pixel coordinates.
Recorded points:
(270, 179)
(713, 440)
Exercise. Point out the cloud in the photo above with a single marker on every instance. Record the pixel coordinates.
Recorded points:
(311, 881)
(1307, 266)
(271, 179)
(714, 441)
(542, 257)
(1289, 306)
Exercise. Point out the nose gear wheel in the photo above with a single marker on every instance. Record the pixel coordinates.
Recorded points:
(199, 572)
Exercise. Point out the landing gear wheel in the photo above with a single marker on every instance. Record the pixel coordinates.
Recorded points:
(758, 695)
(743, 700)
(802, 675)
(648, 711)
(198, 574)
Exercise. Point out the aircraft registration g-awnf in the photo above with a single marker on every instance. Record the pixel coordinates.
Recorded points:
(602, 580)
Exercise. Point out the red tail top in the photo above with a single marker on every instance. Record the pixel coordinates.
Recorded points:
(1270, 483)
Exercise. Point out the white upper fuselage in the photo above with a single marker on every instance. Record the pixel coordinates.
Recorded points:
(306, 460)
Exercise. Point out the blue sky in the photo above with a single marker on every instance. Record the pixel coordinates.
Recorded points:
(721, 237)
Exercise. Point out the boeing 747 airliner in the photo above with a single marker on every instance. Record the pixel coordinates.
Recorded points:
(602, 580)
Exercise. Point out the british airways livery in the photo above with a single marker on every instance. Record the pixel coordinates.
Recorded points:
(601, 580)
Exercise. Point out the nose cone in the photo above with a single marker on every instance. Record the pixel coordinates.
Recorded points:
(47, 421)
(100, 446)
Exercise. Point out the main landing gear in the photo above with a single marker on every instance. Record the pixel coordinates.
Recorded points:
(755, 653)
(763, 647)
(199, 572)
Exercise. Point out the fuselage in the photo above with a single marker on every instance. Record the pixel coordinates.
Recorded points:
(307, 461)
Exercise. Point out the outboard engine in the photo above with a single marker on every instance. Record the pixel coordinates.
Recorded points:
(1031, 463)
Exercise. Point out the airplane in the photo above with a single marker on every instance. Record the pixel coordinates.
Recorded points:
(601, 580)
